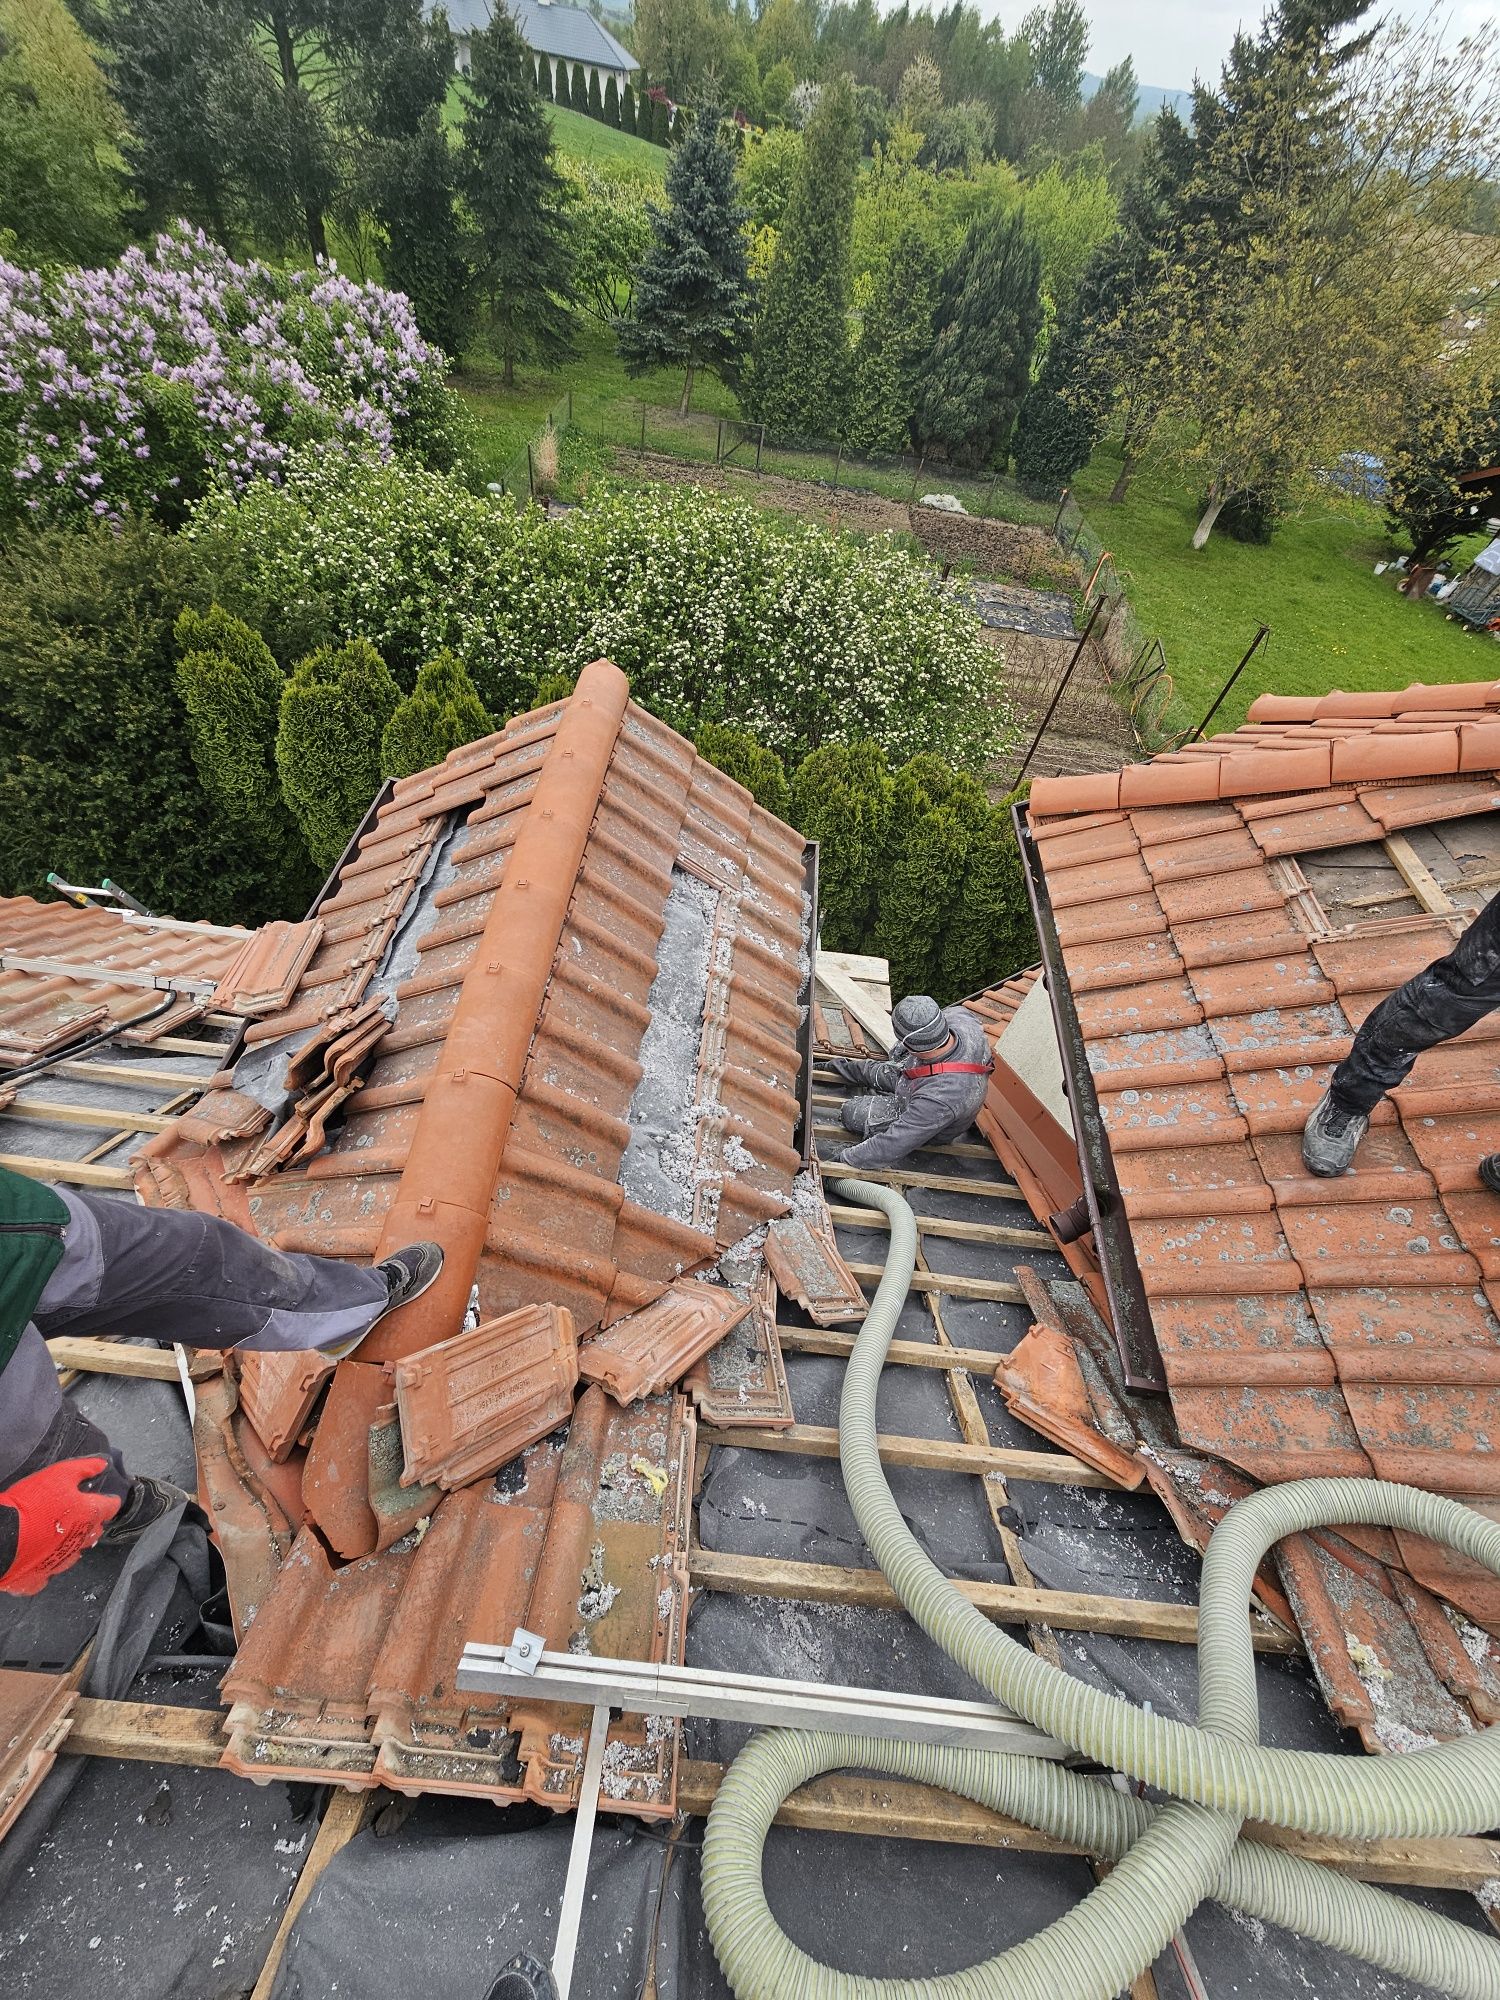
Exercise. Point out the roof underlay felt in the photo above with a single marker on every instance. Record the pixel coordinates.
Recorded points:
(551, 1023)
(1307, 1327)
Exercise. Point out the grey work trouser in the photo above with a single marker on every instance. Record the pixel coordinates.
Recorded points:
(176, 1276)
(890, 1132)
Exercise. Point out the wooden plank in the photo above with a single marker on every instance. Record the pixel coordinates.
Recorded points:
(91, 1356)
(76, 1173)
(108, 1072)
(184, 1045)
(956, 1287)
(146, 1730)
(841, 1803)
(956, 1232)
(961, 1149)
(347, 1814)
(929, 1454)
(900, 1177)
(1417, 876)
(900, 1354)
(1006, 1603)
(44, 1111)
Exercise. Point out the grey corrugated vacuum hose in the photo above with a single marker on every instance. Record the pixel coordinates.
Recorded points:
(1168, 1858)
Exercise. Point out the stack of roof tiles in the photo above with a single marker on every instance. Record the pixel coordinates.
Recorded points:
(550, 1022)
(1306, 1326)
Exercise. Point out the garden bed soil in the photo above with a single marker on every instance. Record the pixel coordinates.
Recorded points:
(1089, 730)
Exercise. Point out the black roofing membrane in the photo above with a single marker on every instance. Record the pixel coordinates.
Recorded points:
(164, 1883)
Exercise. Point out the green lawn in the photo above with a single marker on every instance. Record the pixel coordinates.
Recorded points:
(1334, 623)
(587, 139)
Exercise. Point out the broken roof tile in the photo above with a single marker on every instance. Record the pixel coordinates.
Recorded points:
(742, 1380)
(650, 1349)
(805, 1261)
(1043, 1385)
(34, 1718)
(471, 1404)
(278, 1391)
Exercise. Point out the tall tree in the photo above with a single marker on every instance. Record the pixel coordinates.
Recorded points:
(441, 714)
(523, 271)
(334, 709)
(984, 329)
(1454, 433)
(407, 179)
(893, 343)
(800, 367)
(596, 97)
(692, 302)
(612, 104)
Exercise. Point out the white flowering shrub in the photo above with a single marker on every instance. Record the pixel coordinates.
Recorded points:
(717, 610)
(138, 386)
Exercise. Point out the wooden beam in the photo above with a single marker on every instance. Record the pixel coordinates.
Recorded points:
(184, 1045)
(346, 1815)
(852, 998)
(91, 1356)
(146, 1732)
(44, 1111)
(1006, 1603)
(960, 1149)
(900, 1354)
(1048, 1468)
(955, 1287)
(108, 1072)
(956, 1232)
(76, 1173)
(842, 1803)
(1417, 876)
(903, 1177)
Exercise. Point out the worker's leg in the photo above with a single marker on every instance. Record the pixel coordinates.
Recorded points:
(39, 1426)
(1438, 1003)
(179, 1276)
(867, 1114)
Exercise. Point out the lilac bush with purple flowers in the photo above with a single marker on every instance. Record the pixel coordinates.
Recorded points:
(139, 386)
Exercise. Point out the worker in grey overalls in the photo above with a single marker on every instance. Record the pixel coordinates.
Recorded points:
(72, 1262)
(925, 1093)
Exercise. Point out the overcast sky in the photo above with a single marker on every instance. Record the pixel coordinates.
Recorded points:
(1172, 39)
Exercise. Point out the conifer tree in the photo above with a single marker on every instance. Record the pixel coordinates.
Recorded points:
(596, 99)
(692, 298)
(661, 122)
(231, 688)
(892, 346)
(334, 710)
(579, 99)
(984, 328)
(560, 93)
(627, 110)
(612, 104)
(739, 756)
(515, 194)
(799, 378)
(841, 797)
(442, 713)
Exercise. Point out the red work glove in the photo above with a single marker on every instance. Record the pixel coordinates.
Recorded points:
(55, 1521)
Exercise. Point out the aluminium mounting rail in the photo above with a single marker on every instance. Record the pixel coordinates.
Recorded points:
(640, 1688)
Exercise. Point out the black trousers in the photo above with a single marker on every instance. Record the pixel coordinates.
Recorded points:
(1441, 1001)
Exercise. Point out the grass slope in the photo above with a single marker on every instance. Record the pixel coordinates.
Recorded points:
(587, 139)
(1334, 623)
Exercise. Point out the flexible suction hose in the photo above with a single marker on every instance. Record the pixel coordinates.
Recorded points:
(1168, 1858)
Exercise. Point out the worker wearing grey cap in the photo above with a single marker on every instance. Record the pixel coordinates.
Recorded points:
(928, 1090)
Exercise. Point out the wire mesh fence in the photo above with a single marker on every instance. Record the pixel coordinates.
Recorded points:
(1137, 661)
(534, 470)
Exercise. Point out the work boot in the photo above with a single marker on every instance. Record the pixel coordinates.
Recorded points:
(1331, 1137)
(525, 1978)
(147, 1500)
(408, 1273)
(1489, 1172)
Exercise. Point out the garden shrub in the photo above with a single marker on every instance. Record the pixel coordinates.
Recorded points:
(334, 710)
(96, 762)
(841, 798)
(136, 387)
(231, 688)
(718, 610)
(760, 771)
(441, 714)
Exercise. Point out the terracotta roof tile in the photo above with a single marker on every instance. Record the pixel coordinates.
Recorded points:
(471, 1404)
(654, 1347)
(34, 1719)
(278, 1392)
(1305, 1326)
(56, 962)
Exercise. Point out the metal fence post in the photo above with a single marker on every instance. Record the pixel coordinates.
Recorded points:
(1058, 693)
(759, 444)
(530, 473)
(643, 429)
(837, 464)
(1250, 651)
(719, 444)
(989, 497)
(911, 497)
(570, 409)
